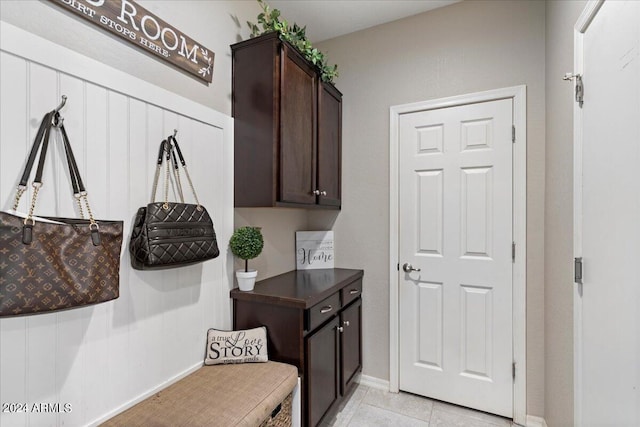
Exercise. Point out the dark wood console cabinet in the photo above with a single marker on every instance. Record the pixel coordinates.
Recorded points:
(314, 321)
(287, 128)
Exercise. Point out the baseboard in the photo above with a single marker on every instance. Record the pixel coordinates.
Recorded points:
(145, 395)
(533, 421)
(373, 382)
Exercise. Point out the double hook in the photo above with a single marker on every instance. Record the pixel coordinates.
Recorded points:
(56, 120)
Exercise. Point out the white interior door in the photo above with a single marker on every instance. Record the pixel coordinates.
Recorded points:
(608, 220)
(455, 226)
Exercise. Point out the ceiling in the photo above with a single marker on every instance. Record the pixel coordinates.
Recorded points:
(326, 19)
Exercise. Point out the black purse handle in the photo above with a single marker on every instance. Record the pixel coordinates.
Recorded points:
(168, 150)
(45, 127)
(41, 144)
(174, 143)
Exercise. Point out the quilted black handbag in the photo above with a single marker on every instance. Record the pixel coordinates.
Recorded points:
(170, 234)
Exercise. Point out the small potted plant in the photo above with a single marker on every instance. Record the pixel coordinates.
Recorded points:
(246, 243)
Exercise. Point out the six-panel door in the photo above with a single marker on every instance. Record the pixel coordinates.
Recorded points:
(456, 229)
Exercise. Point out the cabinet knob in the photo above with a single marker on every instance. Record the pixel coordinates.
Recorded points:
(345, 323)
(316, 192)
(323, 193)
(340, 329)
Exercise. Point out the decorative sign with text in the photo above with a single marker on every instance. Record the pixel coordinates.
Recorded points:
(245, 346)
(135, 24)
(314, 249)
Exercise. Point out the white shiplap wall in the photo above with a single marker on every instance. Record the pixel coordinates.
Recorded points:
(101, 359)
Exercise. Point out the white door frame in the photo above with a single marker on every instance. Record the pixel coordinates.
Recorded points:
(587, 15)
(519, 96)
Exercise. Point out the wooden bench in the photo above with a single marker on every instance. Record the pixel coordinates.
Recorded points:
(222, 395)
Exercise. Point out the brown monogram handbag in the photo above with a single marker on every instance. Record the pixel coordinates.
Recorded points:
(49, 264)
(171, 234)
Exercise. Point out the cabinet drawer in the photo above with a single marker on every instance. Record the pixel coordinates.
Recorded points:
(324, 310)
(351, 292)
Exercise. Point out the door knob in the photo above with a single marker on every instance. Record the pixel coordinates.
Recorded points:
(408, 268)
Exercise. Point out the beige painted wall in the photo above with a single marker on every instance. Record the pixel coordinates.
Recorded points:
(560, 18)
(278, 229)
(466, 47)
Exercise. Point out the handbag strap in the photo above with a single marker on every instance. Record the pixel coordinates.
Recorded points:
(167, 151)
(43, 130)
(161, 152)
(79, 191)
(176, 174)
(174, 143)
(49, 121)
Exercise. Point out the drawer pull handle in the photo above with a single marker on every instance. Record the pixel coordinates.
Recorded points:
(326, 309)
(353, 291)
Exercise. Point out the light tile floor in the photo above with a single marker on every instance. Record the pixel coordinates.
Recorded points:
(370, 407)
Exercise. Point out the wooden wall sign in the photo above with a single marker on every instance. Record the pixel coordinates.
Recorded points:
(135, 24)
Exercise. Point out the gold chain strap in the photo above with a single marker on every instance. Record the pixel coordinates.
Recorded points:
(19, 192)
(155, 184)
(186, 171)
(92, 221)
(78, 197)
(34, 198)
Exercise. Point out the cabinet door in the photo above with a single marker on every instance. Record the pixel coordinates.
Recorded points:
(350, 344)
(297, 129)
(329, 144)
(322, 372)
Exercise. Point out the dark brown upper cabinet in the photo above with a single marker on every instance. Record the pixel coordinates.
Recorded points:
(288, 128)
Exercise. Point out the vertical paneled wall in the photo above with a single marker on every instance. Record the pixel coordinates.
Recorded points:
(98, 359)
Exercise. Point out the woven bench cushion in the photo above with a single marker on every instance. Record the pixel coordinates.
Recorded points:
(222, 395)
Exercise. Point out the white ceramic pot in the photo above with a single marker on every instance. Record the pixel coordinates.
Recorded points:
(246, 279)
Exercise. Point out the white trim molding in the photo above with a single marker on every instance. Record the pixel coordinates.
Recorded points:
(519, 96)
(533, 421)
(586, 17)
(374, 382)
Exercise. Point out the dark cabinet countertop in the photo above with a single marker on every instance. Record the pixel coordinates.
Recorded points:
(299, 288)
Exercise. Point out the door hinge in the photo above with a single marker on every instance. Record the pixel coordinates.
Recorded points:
(513, 370)
(579, 90)
(579, 86)
(577, 268)
(513, 134)
(513, 251)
